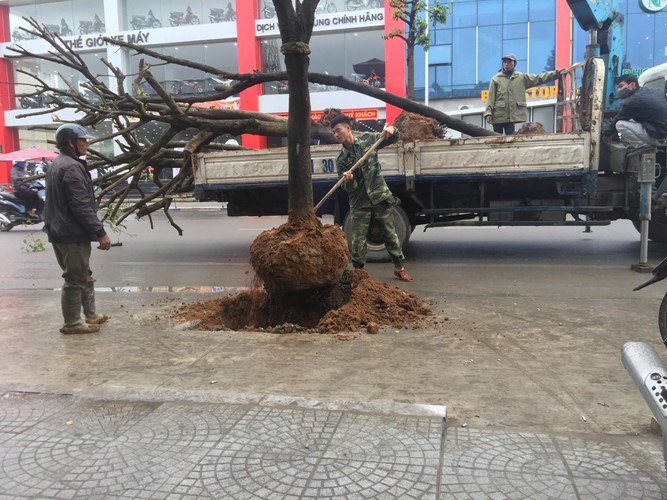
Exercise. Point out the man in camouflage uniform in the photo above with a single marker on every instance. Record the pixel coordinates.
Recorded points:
(371, 200)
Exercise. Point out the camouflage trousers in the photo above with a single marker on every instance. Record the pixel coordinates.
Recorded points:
(381, 218)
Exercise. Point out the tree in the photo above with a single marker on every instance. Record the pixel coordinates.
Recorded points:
(128, 112)
(416, 31)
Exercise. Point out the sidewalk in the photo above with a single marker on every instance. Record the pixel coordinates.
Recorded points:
(241, 447)
(148, 409)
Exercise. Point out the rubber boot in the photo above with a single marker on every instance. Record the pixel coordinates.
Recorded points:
(70, 303)
(88, 303)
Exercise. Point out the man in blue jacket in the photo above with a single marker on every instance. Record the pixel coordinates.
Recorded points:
(642, 119)
(71, 222)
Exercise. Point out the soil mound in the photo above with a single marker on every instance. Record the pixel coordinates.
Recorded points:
(414, 127)
(299, 255)
(357, 301)
(531, 128)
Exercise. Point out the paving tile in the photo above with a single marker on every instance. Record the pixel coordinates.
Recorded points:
(20, 411)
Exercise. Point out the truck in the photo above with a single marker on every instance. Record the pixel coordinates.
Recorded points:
(574, 177)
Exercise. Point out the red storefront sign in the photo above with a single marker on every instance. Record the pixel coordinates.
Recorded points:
(357, 114)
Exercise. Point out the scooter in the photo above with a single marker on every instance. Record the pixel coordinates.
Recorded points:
(13, 212)
(94, 26)
(362, 4)
(177, 18)
(62, 29)
(325, 6)
(268, 11)
(19, 35)
(33, 101)
(659, 274)
(373, 80)
(149, 21)
(222, 15)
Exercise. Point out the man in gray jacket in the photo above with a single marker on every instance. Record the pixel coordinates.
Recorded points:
(71, 222)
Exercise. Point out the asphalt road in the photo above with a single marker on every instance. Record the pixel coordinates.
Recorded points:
(530, 325)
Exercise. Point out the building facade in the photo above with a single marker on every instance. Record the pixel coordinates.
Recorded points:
(348, 39)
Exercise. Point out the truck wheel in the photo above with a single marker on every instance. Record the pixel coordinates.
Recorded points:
(662, 320)
(376, 249)
(657, 226)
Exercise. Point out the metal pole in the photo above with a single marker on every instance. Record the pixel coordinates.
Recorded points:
(645, 177)
(426, 62)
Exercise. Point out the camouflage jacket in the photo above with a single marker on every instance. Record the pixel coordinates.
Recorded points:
(367, 187)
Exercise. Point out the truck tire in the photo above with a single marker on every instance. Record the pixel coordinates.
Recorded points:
(662, 320)
(376, 249)
(657, 226)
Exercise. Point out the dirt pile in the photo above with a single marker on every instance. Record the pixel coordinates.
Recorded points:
(299, 255)
(531, 128)
(357, 301)
(414, 127)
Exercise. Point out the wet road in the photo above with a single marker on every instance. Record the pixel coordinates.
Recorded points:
(213, 251)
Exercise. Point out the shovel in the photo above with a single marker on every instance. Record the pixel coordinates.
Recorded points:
(354, 167)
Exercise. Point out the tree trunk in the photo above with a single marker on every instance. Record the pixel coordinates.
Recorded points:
(410, 60)
(300, 186)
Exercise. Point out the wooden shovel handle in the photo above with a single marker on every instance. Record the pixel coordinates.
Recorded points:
(354, 167)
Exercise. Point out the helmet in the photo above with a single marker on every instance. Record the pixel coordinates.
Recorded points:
(509, 56)
(69, 131)
(20, 164)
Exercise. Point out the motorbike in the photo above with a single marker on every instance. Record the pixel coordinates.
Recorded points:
(177, 18)
(362, 4)
(268, 10)
(149, 21)
(13, 212)
(221, 15)
(19, 35)
(325, 6)
(63, 29)
(33, 101)
(187, 88)
(94, 26)
(373, 80)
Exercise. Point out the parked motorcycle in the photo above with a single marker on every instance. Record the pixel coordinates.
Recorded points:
(177, 18)
(325, 6)
(13, 212)
(149, 21)
(222, 15)
(19, 35)
(268, 10)
(362, 4)
(94, 26)
(33, 101)
(187, 88)
(373, 80)
(659, 274)
(63, 29)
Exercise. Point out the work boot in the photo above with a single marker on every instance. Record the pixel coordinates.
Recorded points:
(79, 329)
(88, 303)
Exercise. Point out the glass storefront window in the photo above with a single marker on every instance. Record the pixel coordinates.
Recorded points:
(464, 14)
(360, 56)
(540, 10)
(515, 11)
(54, 75)
(490, 52)
(489, 12)
(152, 14)
(70, 17)
(542, 51)
(186, 82)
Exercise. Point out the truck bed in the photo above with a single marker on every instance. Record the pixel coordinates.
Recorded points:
(532, 155)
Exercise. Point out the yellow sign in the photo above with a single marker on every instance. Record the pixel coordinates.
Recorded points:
(535, 93)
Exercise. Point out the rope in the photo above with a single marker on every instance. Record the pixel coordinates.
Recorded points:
(295, 48)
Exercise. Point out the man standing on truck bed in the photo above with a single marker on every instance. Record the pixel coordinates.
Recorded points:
(506, 103)
(642, 119)
(371, 201)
